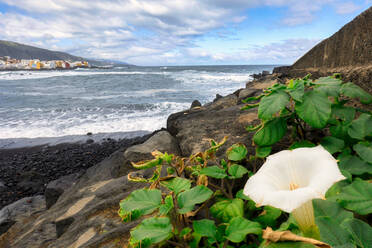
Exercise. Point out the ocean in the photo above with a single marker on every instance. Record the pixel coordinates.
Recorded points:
(59, 106)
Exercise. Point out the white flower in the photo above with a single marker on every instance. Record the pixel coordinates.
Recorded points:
(290, 179)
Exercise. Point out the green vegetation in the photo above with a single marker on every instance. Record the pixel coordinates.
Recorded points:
(199, 201)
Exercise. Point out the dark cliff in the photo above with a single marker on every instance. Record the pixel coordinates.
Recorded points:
(348, 51)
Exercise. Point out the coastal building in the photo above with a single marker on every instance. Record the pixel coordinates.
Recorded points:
(7, 62)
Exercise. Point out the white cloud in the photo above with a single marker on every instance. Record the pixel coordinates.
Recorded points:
(346, 8)
(142, 31)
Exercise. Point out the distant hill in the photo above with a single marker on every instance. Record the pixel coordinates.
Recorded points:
(348, 51)
(21, 51)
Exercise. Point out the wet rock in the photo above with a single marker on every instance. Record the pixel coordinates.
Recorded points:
(218, 96)
(89, 141)
(195, 104)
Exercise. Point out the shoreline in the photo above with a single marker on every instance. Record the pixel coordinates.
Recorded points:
(26, 171)
(14, 143)
(55, 69)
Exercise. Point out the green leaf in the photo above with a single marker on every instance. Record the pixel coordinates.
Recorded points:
(263, 151)
(249, 106)
(343, 113)
(361, 127)
(226, 209)
(332, 144)
(364, 150)
(272, 104)
(335, 189)
(237, 152)
(353, 91)
(177, 184)
(147, 163)
(188, 199)
(155, 229)
(357, 197)
(253, 98)
(185, 231)
(290, 224)
(214, 171)
(223, 163)
(297, 90)
(240, 195)
(324, 208)
(271, 132)
(237, 171)
(340, 130)
(170, 170)
(205, 228)
(252, 128)
(302, 143)
(167, 206)
(240, 227)
(328, 85)
(360, 231)
(268, 216)
(354, 165)
(139, 202)
(315, 109)
(331, 232)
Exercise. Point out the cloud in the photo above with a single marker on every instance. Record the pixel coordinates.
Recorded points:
(142, 31)
(346, 8)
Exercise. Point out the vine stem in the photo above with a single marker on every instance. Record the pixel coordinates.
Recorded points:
(220, 188)
(229, 188)
(175, 244)
(226, 243)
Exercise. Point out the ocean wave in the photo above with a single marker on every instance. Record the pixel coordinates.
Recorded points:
(79, 121)
(21, 75)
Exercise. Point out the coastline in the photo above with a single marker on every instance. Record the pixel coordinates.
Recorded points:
(26, 170)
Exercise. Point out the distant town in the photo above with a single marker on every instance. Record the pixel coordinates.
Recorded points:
(8, 63)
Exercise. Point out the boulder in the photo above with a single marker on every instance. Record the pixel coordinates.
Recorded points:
(55, 188)
(194, 128)
(20, 210)
(195, 104)
(218, 96)
(248, 92)
(85, 214)
(161, 141)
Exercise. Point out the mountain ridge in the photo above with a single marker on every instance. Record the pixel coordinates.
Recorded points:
(22, 51)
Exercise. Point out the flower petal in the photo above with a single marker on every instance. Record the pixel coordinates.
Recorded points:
(312, 170)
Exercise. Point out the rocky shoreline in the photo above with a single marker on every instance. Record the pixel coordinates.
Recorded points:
(80, 210)
(26, 172)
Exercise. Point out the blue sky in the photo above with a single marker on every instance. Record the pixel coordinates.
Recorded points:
(178, 32)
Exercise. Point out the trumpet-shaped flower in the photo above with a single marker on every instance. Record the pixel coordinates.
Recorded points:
(290, 179)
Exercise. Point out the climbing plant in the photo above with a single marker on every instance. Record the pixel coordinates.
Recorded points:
(199, 202)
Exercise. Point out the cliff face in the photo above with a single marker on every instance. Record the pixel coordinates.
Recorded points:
(350, 46)
(349, 52)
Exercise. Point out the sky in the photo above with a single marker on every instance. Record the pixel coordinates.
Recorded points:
(178, 32)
